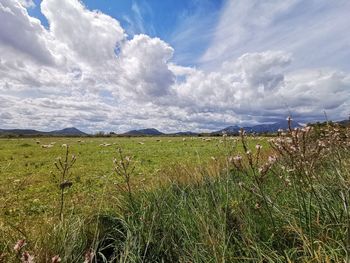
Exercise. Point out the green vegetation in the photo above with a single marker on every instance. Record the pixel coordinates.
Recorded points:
(28, 188)
(192, 200)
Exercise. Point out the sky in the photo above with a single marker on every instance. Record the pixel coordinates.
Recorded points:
(198, 65)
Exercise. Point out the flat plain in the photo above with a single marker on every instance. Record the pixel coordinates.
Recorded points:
(28, 189)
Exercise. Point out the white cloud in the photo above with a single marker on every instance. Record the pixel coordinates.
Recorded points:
(90, 35)
(313, 31)
(145, 69)
(84, 71)
(27, 3)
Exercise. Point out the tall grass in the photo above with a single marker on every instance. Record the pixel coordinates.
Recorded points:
(288, 205)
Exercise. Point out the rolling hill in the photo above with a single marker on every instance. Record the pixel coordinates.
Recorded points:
(27, 132)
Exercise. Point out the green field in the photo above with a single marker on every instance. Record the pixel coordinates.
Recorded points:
(218, 199)
(27, 187)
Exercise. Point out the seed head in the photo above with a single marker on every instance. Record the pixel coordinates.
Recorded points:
(27, 258)
(56, 259)
(89, 256)
(19, 245)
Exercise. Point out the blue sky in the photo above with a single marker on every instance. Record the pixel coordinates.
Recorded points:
(195, 65)
(172, 21)
(190, 26)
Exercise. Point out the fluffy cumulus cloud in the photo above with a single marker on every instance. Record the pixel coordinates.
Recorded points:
(145, 69)
(89, 36)
(83, 70)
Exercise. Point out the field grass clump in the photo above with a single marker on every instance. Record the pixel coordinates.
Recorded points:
(287, 202)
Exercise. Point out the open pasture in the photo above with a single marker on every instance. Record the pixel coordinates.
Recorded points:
(27, 166)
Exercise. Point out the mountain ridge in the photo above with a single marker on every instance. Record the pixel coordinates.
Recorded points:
(70, 131)
(231, 130)
(145, 132)
(260, 128)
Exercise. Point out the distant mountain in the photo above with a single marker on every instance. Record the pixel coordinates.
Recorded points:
(261, 128)
(143, 132)
(186, 133)
(229, 130)
(274, 127)
(68, 132)
(25, 132)
(21, 132)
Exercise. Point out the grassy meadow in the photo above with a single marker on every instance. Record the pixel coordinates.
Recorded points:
(27, 185)
(174, 199)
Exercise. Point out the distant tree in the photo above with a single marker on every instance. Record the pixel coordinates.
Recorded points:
(100, 133)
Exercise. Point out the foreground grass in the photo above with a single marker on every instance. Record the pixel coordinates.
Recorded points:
(292, 207)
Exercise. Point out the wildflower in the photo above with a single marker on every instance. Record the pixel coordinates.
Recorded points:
(249, 152)
(237, 161)
(89, 256)
(272, 159)
(280, 130)
(258, 147)
(56, 259)
(64, 145)
(27, 258)
(257, 206)
(19, 245)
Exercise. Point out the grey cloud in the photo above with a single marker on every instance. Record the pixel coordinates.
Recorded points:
(22, 33)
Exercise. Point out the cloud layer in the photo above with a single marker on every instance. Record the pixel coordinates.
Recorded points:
(85, 71)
